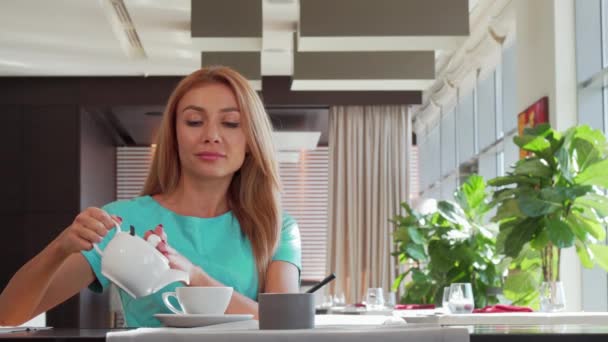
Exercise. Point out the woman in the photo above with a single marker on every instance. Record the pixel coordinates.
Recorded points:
(212, 195)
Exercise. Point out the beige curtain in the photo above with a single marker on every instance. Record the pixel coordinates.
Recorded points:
(368, 179)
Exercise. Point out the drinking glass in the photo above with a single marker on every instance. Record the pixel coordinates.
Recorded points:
(375, 299)
(391, 299)
(552, 297)
(339, 300)
(446, 299)
(328, 301)
(461, 298)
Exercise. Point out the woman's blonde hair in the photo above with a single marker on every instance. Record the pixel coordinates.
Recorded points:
(253, 194)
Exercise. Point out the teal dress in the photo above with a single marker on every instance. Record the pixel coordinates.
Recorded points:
(215, 244)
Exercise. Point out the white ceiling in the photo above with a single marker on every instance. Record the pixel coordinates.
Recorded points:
(77, 38)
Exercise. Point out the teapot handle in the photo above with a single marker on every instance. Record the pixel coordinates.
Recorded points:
(118, 229)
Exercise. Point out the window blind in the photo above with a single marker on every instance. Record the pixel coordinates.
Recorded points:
(305, 197)
(414, 181)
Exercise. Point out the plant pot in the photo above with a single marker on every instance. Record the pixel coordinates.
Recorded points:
(552, 297)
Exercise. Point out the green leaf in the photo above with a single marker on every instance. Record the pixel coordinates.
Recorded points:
(418, 292)
(399, 279)
(588, 146)
(520, 285)
(416, 236)
(534, 206)
(416, 252)
(579, 227)
(577, 191)
(584, 254)
(528, 259)
(554, 195)
(503, 194)
(559, 232)
(453, 213)
(563, 158)
(543, 130)
(472, 193)
(595, 174)
(519, 236)
(411, 212)
(401, 235)
(536, 144)
(598, 202)
(405, 221)
(533, 167)
(419, 276)
(589, 227)
(540, 240)
(595, 223)
(513, 179)
(594, 136)
(439, 253)
(600, 255)
(585, 153)
(488, 230)
(509, 209)
(501, 239)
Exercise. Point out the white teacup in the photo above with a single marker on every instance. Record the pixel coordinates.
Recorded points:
(199, 300)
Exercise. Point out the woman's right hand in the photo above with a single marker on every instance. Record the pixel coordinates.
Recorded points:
(89, 227)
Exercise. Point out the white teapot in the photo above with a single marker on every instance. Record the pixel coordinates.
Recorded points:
(136, 266)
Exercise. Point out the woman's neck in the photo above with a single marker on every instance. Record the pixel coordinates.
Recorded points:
(197, 198)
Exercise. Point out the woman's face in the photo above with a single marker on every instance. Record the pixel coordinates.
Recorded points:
(211, 141)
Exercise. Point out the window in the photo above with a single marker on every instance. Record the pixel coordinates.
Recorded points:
(591, 67)
(132, 165)
(414, 177)
(305, 197)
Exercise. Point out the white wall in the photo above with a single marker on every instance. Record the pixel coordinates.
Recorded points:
(546, 67)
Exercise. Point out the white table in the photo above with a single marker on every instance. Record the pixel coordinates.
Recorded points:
(511, 318)
(339, 328)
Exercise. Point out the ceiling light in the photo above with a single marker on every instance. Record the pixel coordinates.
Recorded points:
(123, 28)
(289, 141)
(288, 157)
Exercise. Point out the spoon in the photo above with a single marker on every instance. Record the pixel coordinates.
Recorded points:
(322, 283)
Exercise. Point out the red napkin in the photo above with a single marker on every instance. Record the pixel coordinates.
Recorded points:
(502, 308)
(414, 306)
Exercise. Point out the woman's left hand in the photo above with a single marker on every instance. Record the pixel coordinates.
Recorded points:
(198, 277)
(176, 260)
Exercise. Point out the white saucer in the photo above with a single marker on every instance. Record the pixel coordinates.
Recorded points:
(192, 320)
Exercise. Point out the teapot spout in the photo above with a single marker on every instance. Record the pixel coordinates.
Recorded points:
(171, 276)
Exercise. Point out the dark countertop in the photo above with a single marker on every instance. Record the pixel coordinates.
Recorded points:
(479, 333)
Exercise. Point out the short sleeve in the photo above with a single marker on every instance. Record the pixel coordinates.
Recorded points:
(290, 246)
(94, 259)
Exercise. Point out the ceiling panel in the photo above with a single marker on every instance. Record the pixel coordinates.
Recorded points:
(82, 37)
(227, 25)
(382, 25)
(363, 70)
(63, 37)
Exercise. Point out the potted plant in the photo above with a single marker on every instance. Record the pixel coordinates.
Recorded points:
(553, 199)
(454, 244)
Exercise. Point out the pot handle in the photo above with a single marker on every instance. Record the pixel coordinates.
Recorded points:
(118, 229)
